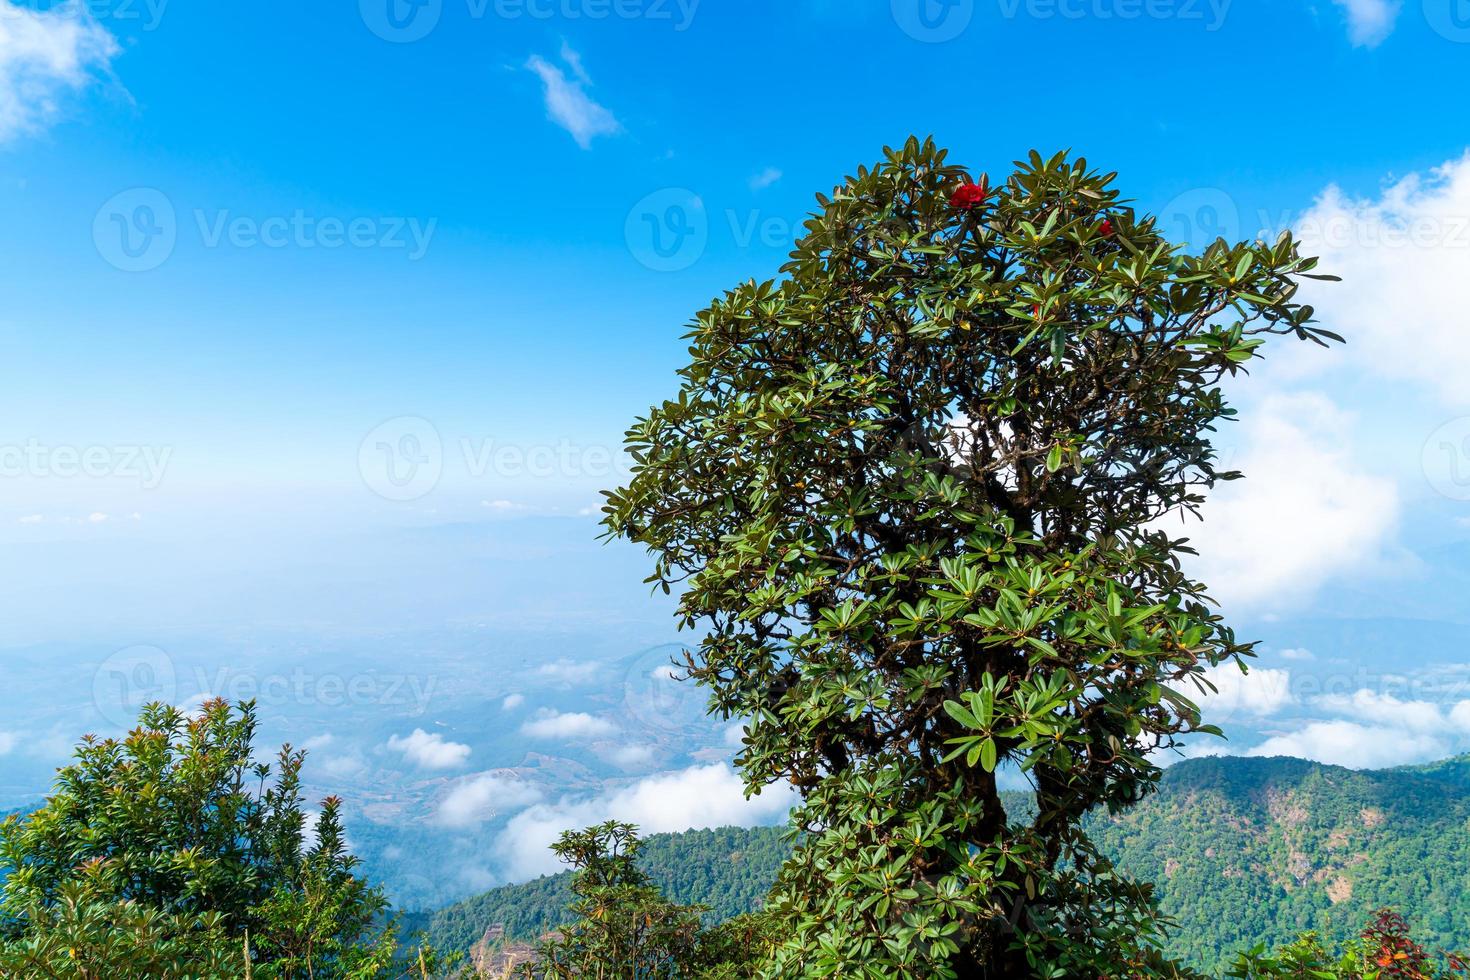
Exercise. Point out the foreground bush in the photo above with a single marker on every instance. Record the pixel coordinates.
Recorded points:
(171, 854)
(1385, 951)
(625, 929)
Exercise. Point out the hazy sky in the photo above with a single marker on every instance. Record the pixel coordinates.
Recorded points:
(279, 281)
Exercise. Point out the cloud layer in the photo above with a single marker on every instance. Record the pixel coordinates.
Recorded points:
(699, 797)
(43, 56)
(567, 102)
(430, 751)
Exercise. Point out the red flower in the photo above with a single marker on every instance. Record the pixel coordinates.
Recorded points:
(967, 197)
(1107, 228)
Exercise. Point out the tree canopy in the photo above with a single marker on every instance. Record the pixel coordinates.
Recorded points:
(913, 494)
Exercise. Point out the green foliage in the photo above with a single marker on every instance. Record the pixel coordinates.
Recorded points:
(1249, 851)
(909, 494)
(172, 853)
(625, 929)
(1384, 951)
(728, 871)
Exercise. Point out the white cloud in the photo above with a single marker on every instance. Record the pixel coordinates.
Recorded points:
(32, 519)
(1305, 512)
(430, 751)
(1402, 258)
(44, 54)
(1385, 709)
(339, 767)
(554, 724)
(567, 102)
(765, 179)
(318, 742)
(512, 702)
(1460, 716)
(633, 756)
(1260, 693)
(1297, 655)
(500, 505)
(7, 743)
(482, 797)
(97, 518)
(699, 797)
(570, 672)
(574, 62)
(1347, 743)
(1370, 22)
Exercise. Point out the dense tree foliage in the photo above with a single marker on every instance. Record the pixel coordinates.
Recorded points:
(1386, 950)
(173, 853)
(727, 871)
(623, 928)
(1249, 851)
(910, 495)
(1245, 851)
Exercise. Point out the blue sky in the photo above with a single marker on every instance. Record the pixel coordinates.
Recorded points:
(279, 280)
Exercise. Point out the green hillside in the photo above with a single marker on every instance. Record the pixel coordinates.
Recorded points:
(730, 870)
(1257, 850)
(1243, 851)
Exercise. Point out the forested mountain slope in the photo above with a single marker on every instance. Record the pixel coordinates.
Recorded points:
(730, 870)
(1243, 851)
(1257, 850)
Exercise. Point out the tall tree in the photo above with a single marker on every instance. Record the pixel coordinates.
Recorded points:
(913, 493)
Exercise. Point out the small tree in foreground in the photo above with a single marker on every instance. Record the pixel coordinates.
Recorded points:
(913, 493)
(1386, 950)
(625, 928)
(172, 853)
